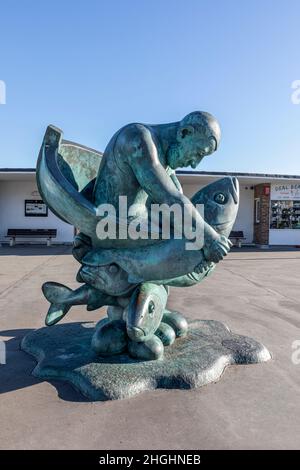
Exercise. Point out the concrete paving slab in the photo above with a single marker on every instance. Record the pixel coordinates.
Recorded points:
(252, 407)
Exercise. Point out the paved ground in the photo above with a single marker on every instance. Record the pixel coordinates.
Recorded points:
(257, 406)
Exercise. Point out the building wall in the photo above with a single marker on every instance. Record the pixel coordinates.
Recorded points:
(261, 228)
(284, 237)
(12, 200)
(14, 193)
(244, 220)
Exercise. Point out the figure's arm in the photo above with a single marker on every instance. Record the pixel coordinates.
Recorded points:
(175, 180)
(144, 161)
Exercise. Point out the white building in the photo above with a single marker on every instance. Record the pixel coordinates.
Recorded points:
(16, 187)
(269, 212)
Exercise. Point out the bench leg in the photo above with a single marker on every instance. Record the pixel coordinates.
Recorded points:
(239, 243)
(12, 242)
(49, 242)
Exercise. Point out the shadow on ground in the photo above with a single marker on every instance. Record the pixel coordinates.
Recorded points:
(42, 250)
(35, 250)
(16, 374)
(270, 249)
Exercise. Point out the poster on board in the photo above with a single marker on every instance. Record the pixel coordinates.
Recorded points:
(35, 208)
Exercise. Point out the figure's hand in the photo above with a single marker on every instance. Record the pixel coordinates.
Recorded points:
(217, 249)
(203, 266)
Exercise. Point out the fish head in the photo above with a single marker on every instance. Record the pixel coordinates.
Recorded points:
(221, 202)
(145, 311)
(111, 278)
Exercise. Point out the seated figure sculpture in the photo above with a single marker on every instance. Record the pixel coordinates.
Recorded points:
(132, 276)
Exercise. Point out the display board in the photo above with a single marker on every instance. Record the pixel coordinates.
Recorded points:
(285, 206)
(285, 192)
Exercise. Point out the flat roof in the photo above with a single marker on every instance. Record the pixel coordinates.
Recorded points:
(237, 174)
(17, 170)
(187, 173)
(187, 177)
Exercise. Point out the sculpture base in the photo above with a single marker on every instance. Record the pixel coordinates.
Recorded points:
(64, 352)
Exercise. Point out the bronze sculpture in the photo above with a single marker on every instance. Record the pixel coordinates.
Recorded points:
(139, 163)
(127, 260)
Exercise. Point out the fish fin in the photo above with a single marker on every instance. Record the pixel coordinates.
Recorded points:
(98, 258)
(56, 293)
(56, 312)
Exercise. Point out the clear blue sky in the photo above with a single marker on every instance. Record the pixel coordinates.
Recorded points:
(92, 66)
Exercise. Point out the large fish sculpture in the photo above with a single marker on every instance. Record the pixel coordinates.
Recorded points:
(170, 259)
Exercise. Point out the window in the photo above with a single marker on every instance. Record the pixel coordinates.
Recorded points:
(257, 210)
(285, 214)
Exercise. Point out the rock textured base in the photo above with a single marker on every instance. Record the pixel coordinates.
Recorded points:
(63, 352)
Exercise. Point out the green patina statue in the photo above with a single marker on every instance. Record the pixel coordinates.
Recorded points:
(132, 274)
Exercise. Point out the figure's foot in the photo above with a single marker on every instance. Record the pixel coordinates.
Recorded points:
(166, 334)
(110, 337)
(176, 321)
(149, 350)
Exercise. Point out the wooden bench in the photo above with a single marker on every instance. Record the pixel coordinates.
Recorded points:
(237, 237)
(14, 233)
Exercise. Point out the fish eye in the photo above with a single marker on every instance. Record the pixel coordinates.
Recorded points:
(151, 307)
(113, 268)
(220, 198)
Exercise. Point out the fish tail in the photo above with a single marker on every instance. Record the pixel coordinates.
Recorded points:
(56, 312)
(56, 293)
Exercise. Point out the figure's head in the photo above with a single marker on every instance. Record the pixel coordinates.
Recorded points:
(198, 135)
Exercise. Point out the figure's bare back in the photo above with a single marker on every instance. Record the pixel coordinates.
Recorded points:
(125, 167)
(116, 176)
